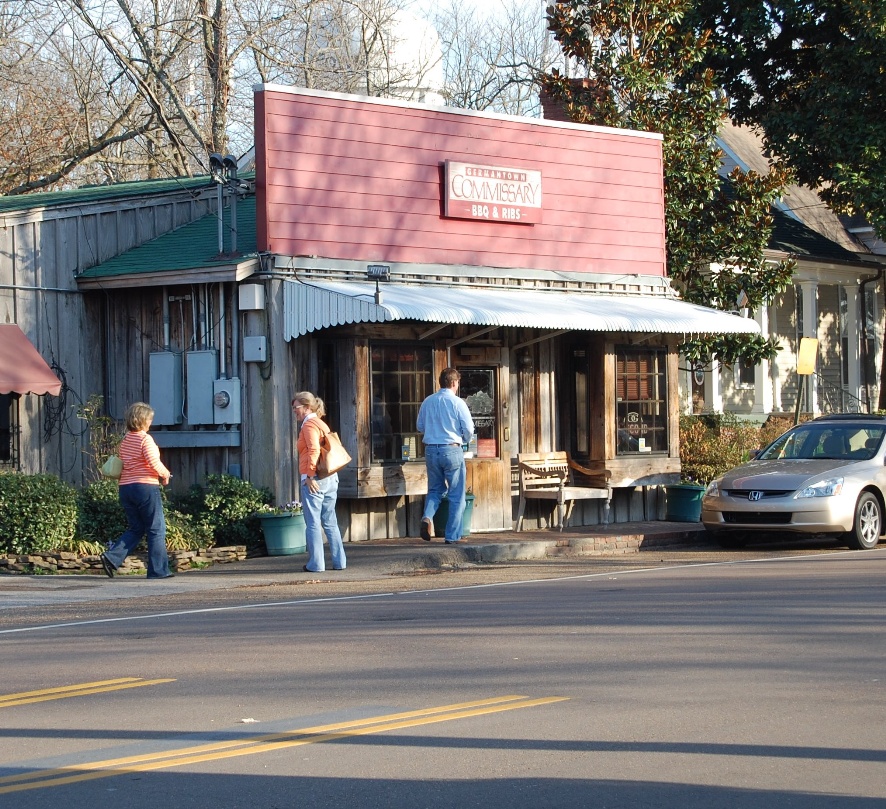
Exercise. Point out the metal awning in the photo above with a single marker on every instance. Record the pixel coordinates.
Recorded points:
(22, 369)
(313, 305)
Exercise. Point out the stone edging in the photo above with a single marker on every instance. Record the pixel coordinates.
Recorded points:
(63, 562)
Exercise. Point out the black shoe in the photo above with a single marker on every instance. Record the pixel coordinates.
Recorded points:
(425, 530)
(167, 576)
(338, 568)
(109, 569)
(308, 570)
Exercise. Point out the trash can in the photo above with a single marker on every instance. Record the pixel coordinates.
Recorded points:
(683, 502)
(442, 516)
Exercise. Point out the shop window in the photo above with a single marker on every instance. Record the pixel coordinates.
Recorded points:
(402, 376)
(9, 431)
(641, 406)
(327, 388)
(477, 387)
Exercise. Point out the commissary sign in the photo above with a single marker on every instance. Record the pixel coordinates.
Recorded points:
(495, 193)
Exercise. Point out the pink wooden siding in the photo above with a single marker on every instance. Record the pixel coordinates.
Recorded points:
(354, 178)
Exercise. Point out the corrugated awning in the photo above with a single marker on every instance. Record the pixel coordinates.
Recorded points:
(311, 306)
(22, 369)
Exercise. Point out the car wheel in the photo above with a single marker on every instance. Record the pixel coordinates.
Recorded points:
(868, 524)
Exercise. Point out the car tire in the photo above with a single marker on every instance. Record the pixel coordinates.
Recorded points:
(868, 524)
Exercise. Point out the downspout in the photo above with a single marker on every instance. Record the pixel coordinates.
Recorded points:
(864, 342)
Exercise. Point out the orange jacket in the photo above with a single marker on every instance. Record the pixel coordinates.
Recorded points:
(308, 445)
(141, 459)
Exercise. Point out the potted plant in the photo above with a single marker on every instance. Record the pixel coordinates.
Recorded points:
(283, 528)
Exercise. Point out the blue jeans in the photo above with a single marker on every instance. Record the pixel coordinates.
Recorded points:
(319, 510)
(446, 478)
(144, 512)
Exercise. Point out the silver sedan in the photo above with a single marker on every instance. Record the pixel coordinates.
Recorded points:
(827, 476)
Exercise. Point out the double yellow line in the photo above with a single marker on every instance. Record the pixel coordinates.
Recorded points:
(62, 692)
(263, 744)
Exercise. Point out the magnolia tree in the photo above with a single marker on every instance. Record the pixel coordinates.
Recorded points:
(631, 65)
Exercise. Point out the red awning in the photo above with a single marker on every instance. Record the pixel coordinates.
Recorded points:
(22, 369)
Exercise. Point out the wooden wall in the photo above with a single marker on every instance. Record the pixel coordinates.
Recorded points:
(350, 177)
(42, 248)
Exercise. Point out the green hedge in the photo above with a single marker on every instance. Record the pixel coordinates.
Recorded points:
(37, 513)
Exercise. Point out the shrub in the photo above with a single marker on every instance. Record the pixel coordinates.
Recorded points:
(712, 444)
(101, 517)
(184, 533)
(37, 512)
(227, 505)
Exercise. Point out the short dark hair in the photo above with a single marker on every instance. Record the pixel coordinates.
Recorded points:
(448, 376)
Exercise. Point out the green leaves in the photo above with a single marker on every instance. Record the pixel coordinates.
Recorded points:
(647, 69)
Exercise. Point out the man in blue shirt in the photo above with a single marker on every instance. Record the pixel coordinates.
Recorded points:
(446, 424)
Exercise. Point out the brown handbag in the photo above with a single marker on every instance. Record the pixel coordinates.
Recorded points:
(333, 456)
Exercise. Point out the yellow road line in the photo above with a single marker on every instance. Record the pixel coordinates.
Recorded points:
(63, 692)
(263, 744)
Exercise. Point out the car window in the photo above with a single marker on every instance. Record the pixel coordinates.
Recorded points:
(827, 441)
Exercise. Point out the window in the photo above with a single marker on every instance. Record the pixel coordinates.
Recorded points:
(9, 431)
(744, 374)
(477, 387)
(402, 376)
(641, 402)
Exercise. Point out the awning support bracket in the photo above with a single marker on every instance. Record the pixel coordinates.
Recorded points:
(541, 339)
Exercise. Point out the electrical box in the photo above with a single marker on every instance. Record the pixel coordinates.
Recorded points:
(165, 387)
(202, 367)
(226, 401)
(251, 296)
(255, 349)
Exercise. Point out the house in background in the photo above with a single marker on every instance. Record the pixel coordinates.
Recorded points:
(836, 298)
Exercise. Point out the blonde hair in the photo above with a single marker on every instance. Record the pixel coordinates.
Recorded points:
(138, 416)
(313, 403)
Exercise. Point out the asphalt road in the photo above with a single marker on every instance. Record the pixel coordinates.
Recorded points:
(748, 680)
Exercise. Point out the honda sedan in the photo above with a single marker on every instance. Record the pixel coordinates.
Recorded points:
(826, 476)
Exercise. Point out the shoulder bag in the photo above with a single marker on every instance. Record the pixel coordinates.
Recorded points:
(333, 456)
(112, 468)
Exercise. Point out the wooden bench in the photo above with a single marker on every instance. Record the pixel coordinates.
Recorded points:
(555, 476)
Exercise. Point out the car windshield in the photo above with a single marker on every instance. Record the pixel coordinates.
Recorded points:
(832, 440)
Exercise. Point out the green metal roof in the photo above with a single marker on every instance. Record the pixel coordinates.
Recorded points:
(191, 247)
(97, 193)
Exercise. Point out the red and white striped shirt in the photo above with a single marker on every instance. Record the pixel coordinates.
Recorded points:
(141, 459)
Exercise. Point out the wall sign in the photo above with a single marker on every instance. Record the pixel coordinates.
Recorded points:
(493, 193)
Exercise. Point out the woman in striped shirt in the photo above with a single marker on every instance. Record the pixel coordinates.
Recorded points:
(140, 496)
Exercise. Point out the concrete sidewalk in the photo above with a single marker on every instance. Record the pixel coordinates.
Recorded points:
(372, 560)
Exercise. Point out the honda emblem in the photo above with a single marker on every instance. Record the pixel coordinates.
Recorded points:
(755, 496)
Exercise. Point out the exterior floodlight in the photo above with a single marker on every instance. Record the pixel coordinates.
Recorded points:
(217, 167)
(230, 166)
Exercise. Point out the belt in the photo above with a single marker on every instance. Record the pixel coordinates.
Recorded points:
(444, 445)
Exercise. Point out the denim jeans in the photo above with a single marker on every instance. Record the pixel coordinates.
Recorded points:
(446, 478)
(319, 511)
(143, 505)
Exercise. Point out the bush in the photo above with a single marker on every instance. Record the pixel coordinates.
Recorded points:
(713, 444)
(227, 506)
(37, 513)
(101, 518)
(184, 533)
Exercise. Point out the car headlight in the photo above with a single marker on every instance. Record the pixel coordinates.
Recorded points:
(713, 489)
(824, 488)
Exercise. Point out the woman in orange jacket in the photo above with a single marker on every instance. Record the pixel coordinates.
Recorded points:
(318, 496)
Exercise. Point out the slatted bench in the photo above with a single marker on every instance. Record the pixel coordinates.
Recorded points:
(555, 476)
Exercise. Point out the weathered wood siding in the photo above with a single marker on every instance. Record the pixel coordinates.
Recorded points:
(349, 177)
(42, 248)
